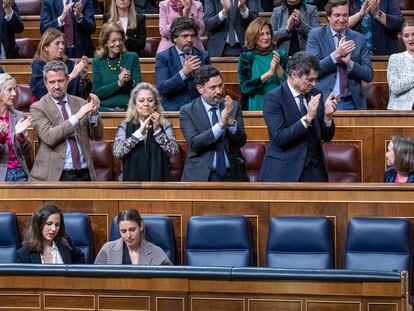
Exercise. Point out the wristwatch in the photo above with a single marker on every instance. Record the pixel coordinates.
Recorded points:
(379, 14)
(308, 123)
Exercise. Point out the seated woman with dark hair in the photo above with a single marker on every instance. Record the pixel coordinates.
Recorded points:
(400, 156)
(261, 68)
(145, 140)
(131, 248)
(45, 240)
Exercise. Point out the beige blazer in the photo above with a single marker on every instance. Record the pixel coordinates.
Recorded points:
(53, 131)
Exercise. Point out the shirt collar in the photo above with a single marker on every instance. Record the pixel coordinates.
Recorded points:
(179, 51)
(64, 99)
(292, 90)
(207, 106)
(335, 32)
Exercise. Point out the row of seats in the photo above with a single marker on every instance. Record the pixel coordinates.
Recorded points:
(294, 242)
(342, 160)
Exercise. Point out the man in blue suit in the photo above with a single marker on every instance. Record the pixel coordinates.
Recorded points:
(75, 19)
(344, 57)
(10, 23)
(298, 121)
(174, 67)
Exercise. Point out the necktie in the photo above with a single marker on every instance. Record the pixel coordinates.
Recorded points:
(220, 160)
(232, 21)
(68, 29)
(71, 139)
(302, 107)
(343, 76)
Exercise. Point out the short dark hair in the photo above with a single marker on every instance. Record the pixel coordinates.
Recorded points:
(204, 73)
(302, 63)
(332, 4)
(181, 24)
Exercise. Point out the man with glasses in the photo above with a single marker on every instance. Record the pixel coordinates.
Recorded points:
(298, 120)
(174, 67)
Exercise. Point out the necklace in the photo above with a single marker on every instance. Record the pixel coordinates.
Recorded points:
(117, 66)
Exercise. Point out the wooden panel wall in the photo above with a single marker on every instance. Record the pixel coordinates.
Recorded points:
(257, 201)
(19, 292)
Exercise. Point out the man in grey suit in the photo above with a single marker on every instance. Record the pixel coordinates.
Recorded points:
(343, 55)
(64, 125)
(214, 130)
(226, 22)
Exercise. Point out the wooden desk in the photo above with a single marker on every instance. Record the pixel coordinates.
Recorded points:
(257, 201)
(86, 291)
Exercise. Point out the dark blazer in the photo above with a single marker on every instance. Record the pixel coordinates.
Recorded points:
(1, 70)
(8, 29)
(136, 37)
(384, 38)
(196, 128)
(217, 30)
(321, 44)
(176, 92)
(146, 6)
(82, 31)
(37, 84)
(390, 174)
(286, 154)
(69, 256)
(278, 20)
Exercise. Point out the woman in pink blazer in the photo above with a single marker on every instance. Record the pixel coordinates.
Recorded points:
(171, 9)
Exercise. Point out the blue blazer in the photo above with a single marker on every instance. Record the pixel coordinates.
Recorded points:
(176, 92)
(390, 174)
(286, 154)
(384, 38)
(8, 29)
(52, 9)
(321, 44)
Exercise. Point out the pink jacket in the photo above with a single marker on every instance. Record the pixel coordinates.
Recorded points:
(167, 15)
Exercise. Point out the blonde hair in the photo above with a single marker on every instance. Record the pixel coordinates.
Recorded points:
(50, 35)
(132, 114)
(253, 32)
(132, 17)
(106, 31)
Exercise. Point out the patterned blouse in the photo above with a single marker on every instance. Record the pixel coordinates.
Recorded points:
(165, 138)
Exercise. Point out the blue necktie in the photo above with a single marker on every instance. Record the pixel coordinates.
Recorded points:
(220, 156)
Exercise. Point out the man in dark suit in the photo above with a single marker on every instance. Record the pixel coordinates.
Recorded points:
(174, 67)
(64, 125)
(214, 130)
(226, 22)
(75, 19)
(10, 23)
(344, 57)
(146, 6)
(298, 122)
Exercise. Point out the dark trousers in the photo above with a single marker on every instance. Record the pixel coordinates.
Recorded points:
(314, 173)
(75, 175)
(232, 51)
(227, 177)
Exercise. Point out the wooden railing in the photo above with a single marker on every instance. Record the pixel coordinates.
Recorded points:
(259, 202)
